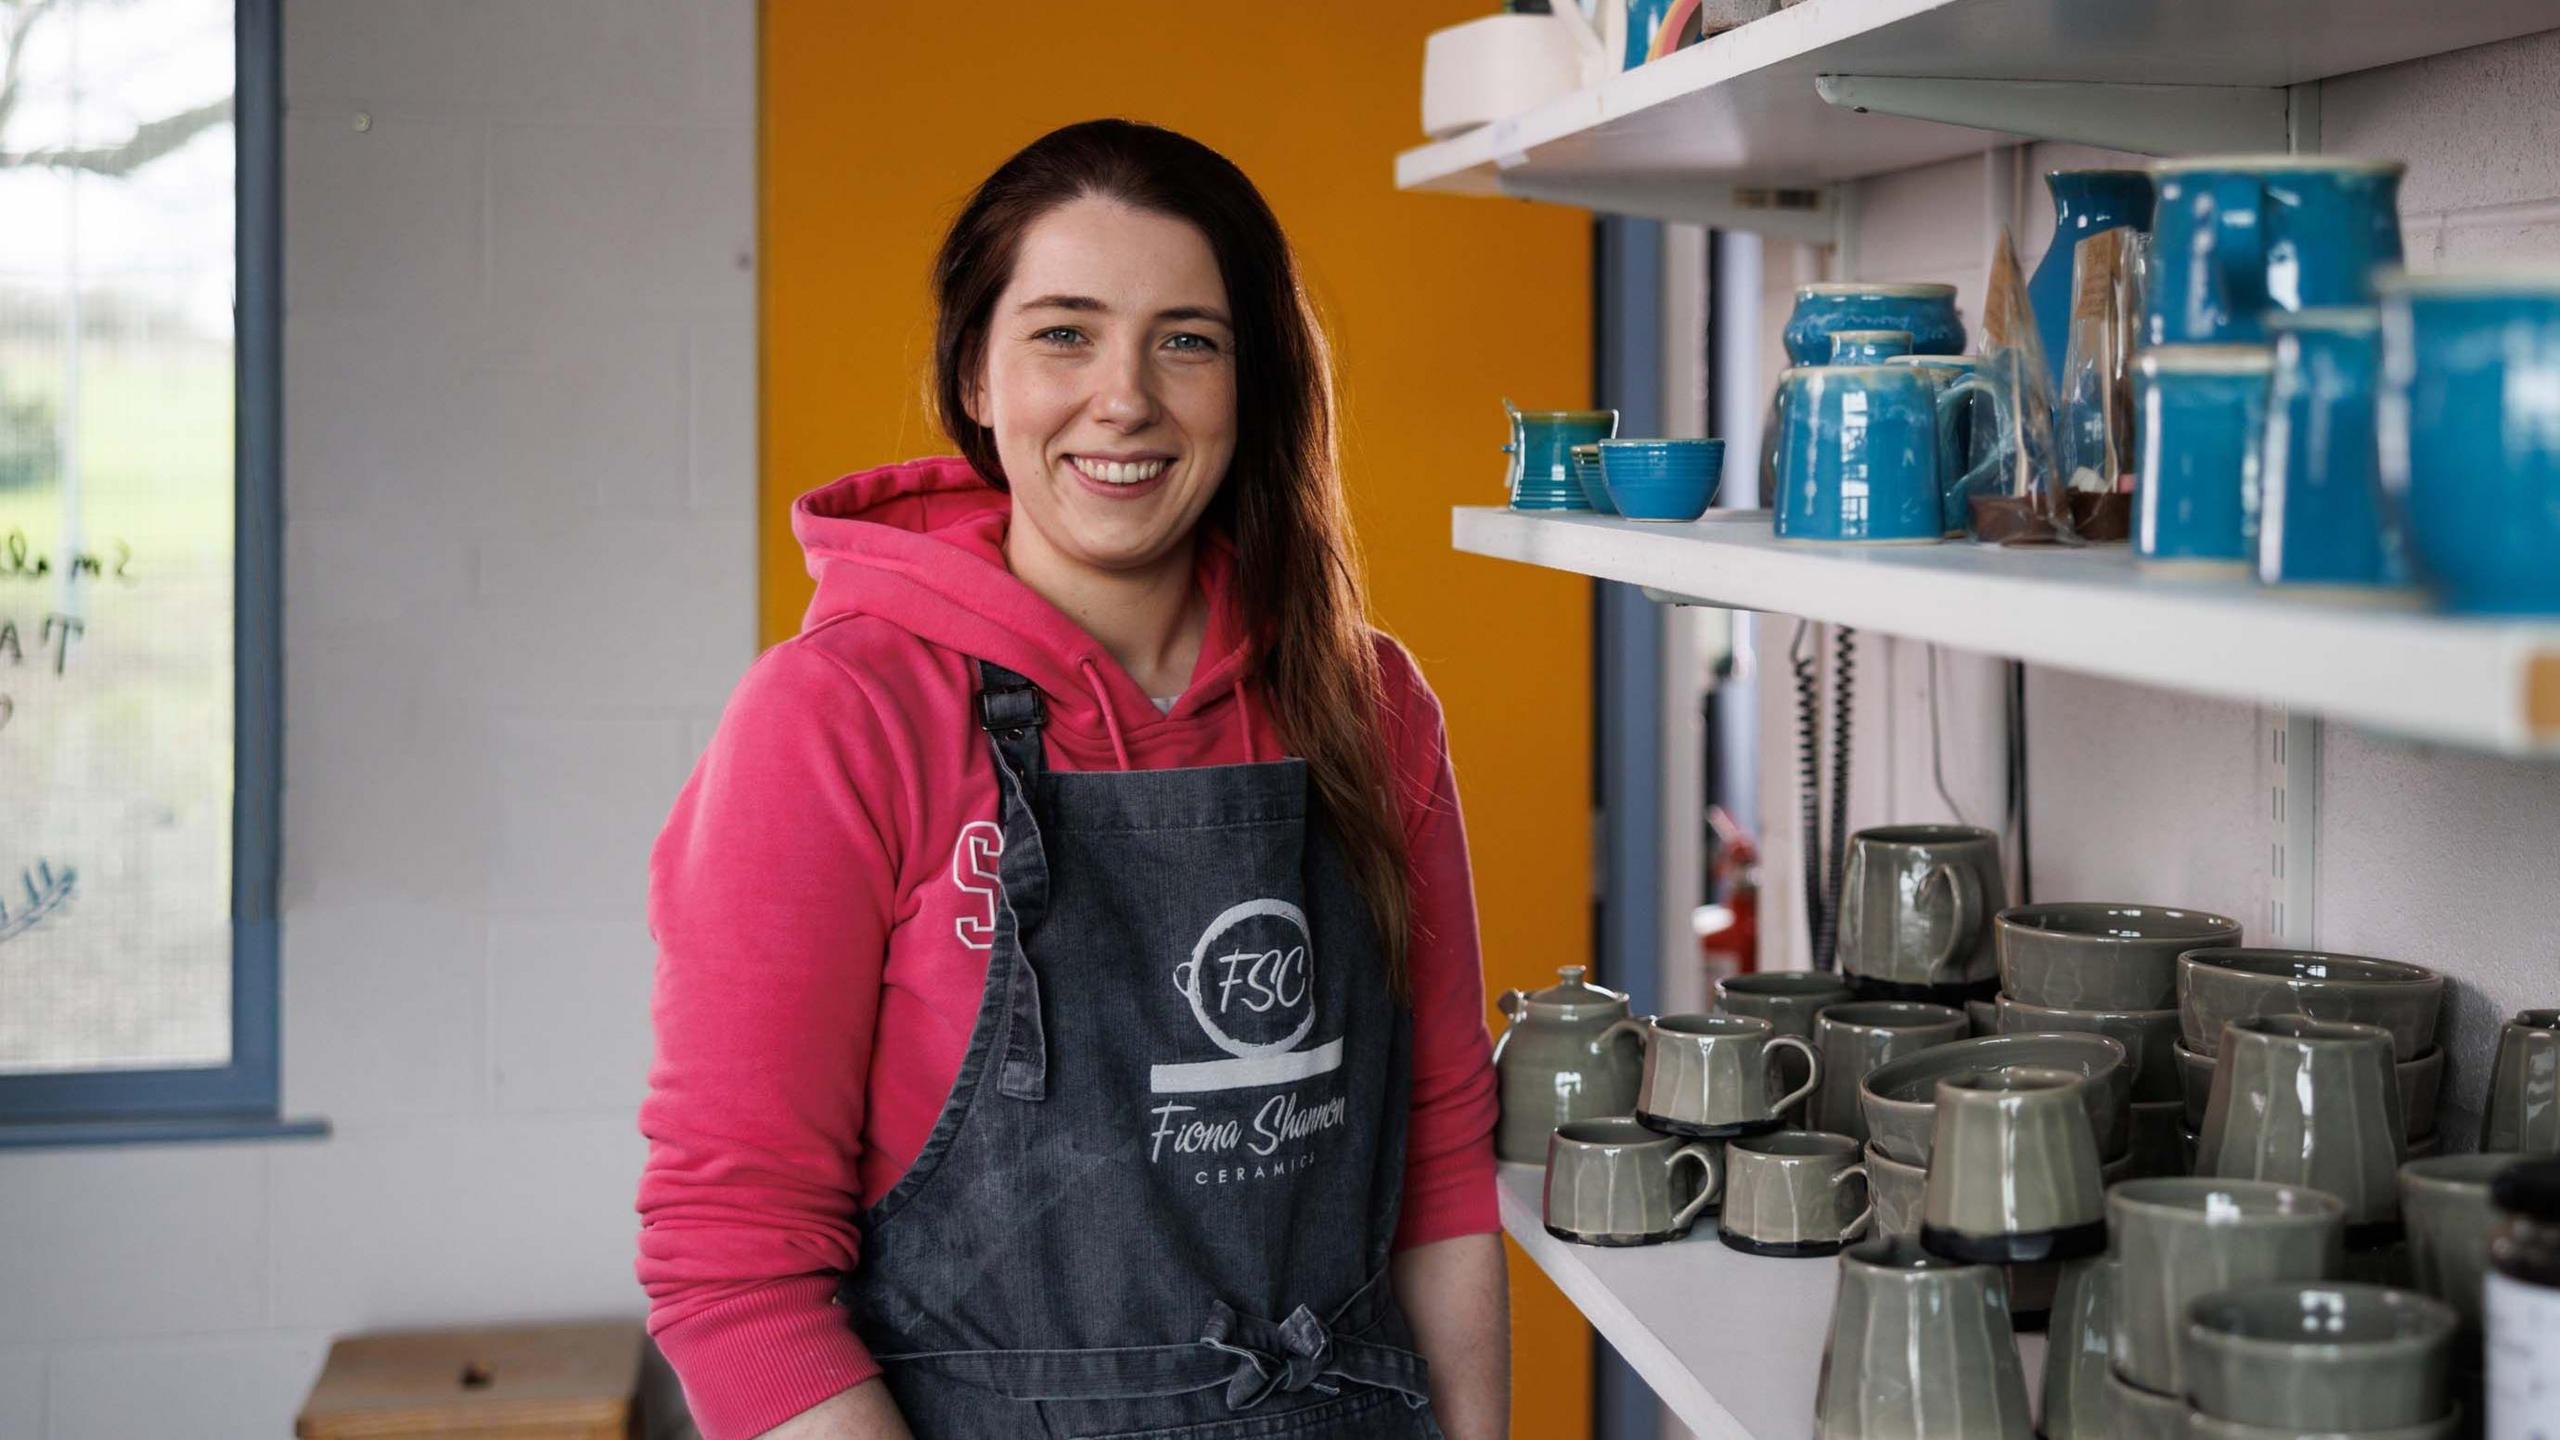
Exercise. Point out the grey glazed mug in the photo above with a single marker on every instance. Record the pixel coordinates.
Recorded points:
(1788, 1194)
(2013, 1170)
(1789, 1000)
(2444, 1203)
(2179, 1238)
(1916, 903)
(1899, 1190)
(1708, 1075)
(2310, 1102)
(2524, 1087)
(2323, 1355)
(1613, 1182)
(2078, 1336)
(1857, 1036)
(1920, 1345)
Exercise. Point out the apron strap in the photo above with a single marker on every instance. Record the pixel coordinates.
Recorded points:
(1252, 1358)
(1010, 709)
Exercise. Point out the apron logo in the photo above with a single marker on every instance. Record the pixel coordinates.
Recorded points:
(973, 858)
(1251, 984)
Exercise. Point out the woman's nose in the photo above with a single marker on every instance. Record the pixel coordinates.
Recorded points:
(1125, 392)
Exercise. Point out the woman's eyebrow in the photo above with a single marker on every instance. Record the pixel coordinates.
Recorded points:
(1090, 304)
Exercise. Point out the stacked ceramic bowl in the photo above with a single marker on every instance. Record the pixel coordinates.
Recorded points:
(2311, 1068)
(2110, 969)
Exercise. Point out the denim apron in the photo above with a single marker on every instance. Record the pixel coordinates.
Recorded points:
(1160, 1200)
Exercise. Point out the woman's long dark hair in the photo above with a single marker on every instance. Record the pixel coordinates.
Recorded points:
(1298, 588)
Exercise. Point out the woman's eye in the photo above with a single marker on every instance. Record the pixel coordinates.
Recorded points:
(1070, 333)
(1201, 344)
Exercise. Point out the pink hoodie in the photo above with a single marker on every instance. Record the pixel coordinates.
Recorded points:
(821, 898)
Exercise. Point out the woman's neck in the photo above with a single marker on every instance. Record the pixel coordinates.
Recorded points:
(1152, 621)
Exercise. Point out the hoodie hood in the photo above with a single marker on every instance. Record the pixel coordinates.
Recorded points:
(921, 545)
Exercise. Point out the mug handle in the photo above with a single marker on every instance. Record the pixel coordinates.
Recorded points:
(1966, 892)
(2239, 246)
(1813, 1063)
(1867, 1216)
(1959, 390)
(1640, 1026)
(1708, 1188)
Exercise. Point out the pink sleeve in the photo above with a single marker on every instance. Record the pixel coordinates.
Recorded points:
(1448, 1177)
(770, 891)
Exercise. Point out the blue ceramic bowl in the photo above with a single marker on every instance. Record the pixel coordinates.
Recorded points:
(1671, 480)
(1586, 473)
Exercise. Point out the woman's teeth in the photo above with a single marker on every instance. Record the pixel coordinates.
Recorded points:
(1110, 473)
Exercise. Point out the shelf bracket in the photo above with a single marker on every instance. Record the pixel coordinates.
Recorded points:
(2292, 774)
(1803, 215)
(2144, 119)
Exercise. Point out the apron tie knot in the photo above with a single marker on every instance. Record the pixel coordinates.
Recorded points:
(1291, 1357)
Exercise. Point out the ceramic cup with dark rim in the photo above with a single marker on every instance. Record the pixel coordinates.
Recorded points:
(1855, 1037)
(2421, 1081)
(2013, 1169)
(2145, 1034)
(1788, 1000)
(1615, 1182)
(2181, 1238)
(2096, 955)
(2444, 1203)
(1916, 903)
(2077, 1340)
(1919, 1345)
(1790, 1194)
(1899, 1189)
(1708, 1075)
(2216, 986)
(2524, 1087)
(1900, 1099)
(2321, 1355)
(2310, 1102)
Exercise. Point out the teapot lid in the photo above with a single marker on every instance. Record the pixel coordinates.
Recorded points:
(1572, 999)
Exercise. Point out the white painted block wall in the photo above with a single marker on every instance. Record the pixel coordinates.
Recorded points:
(2446, 858)
(520, 579)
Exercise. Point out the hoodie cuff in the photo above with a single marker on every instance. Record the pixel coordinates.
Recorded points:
(760, 1357)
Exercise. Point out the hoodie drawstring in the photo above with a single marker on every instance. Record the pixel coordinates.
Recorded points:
(1093, 677)
(1244, 728)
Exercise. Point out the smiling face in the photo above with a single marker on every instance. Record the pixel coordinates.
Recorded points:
(1108, 378)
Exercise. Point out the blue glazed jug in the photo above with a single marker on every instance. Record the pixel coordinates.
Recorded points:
(2085, 203)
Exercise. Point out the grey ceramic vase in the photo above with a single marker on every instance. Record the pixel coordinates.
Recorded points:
(1557, 1062)
(2523, 1116)
(2310, 1102)
(1920, 1349)
(1916, 903)
(2320, 1357)
(2013, 1170)
(1856, 1037)
(2098, 956)
(2077, 1338)
(2179, 1239)
(1789, 1000)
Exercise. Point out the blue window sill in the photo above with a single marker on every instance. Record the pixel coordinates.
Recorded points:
(48, 1134)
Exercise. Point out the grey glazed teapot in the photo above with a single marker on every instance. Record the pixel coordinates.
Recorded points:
(1557, 1062)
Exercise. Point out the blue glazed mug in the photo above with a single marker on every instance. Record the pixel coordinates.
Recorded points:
(2085, 203)
(2204, 411)
(1868, 347)
(1969, 446)
(2322, 528)
(2470, 428)
(2236, 236)
(1540, 475)
(1858, 452)
(1927, 311)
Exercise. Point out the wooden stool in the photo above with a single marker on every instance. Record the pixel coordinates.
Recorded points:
(572, 1381)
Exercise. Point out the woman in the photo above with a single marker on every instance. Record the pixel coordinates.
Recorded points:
(1069, 1014)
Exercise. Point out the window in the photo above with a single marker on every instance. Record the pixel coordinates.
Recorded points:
(139, 535)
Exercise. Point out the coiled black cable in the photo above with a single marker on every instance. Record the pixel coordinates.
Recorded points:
(1843, 673)
(1806, 662)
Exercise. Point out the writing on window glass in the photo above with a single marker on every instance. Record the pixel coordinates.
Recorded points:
(40, 642)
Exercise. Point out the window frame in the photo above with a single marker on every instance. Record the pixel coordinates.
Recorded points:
(240, 1098)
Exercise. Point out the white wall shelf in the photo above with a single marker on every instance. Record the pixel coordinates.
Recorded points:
(1723, 122)
(1732, 1343)
(2485, 685)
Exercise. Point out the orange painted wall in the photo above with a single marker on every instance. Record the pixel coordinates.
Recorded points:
(877, 117)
